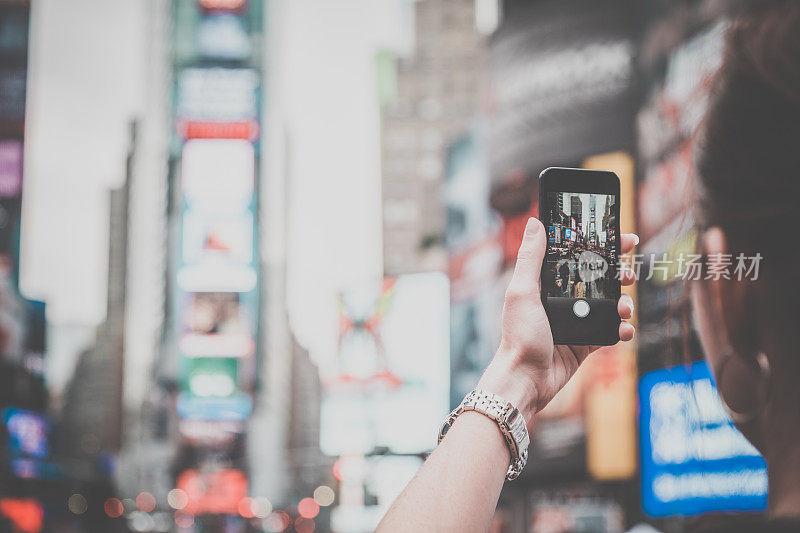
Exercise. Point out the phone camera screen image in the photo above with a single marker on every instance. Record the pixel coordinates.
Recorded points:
(581, 258)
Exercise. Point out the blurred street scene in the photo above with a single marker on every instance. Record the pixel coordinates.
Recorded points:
(253, 252)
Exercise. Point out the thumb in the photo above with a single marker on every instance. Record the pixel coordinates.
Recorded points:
(529, 258)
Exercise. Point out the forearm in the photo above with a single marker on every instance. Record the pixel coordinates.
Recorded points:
(458, 486)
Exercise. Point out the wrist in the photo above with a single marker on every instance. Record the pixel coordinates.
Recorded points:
(506, 377)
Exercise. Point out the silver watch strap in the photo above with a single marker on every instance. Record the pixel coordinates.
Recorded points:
(510, 421)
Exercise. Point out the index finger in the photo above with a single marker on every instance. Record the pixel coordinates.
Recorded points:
(628, 241)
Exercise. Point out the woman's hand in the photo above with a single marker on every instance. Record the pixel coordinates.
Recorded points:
(528, 370)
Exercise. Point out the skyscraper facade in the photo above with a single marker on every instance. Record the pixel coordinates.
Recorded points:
(435, 97)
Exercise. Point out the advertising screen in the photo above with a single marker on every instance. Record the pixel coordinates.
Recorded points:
(217, 324)
(474, 261)
(223, 36)
(217, 93)
(27, 433)
(235, 408)
(215, 492)
(393, 359)
(10, 169)
(693, 459)
(218, 174)
(219, 238)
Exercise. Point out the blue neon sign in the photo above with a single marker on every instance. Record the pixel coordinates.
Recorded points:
(693, 459)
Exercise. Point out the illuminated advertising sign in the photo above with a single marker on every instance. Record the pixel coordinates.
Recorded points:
(217, 277)
(223, 36)
(693, 459)
(211, 377)
(218, 174)
(223, 5)
(27, 516)
(215, 492)
(216, 111)
(475, 258)
(216, 93)
(236, 407)
(552, 231)
(581, 77)
(393, 359)
(217, 252)
(246, 129)
(28, 443)
(217, 324)
(10, 169)
(217, 238)
(27, 433)
(210, 432)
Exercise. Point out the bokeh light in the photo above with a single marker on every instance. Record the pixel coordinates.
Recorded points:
(324, 495)
(264, 507)
(145, 502)
(184, 519)
(277, 522)
(141, 521)
(304, 525)
(177, 499)
(113, 508)
(308, 508)
(128, 505)
(77, 504)
(247, 508)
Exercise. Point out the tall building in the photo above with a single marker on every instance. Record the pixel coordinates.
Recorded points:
(146, 452)
(576, 210)
(89, 434)
(92, 412)
(435, 97)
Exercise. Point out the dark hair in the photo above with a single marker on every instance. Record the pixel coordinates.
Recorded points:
(748, 157)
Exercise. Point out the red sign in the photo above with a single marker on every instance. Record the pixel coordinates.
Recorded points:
(512, 231)
(213, 492)
(226, 5)
(191, 129)
(26, 515)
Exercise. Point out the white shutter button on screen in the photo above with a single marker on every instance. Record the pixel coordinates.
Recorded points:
(581, 308)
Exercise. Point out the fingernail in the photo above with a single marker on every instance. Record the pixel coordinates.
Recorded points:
(635, 240)
(630, 328)
(630, 302)
(531, 228)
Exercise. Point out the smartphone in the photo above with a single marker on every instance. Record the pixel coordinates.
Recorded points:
(580, 285)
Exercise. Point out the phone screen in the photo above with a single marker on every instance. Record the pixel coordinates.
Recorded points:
(581, 258)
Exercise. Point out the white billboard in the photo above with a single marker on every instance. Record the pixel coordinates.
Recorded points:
(217, 94)
(388, 385)
(218, 174)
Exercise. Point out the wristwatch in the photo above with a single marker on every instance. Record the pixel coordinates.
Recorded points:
(507, 417)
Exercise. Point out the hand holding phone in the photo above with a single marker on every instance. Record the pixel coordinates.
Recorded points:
(580, 280)
(528, 369)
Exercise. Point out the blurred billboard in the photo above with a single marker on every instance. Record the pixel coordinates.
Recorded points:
(693, 459)
(387, 386)
(474, 263)
(215, 302)
(562, 77)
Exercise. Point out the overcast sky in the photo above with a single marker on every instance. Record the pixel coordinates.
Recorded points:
(84, 86)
